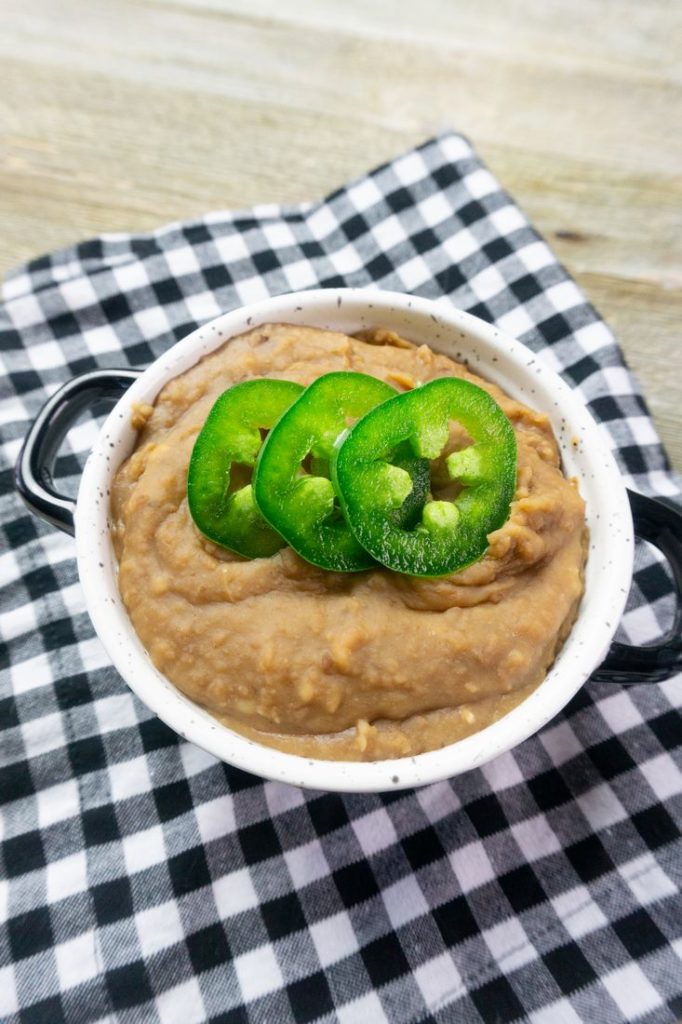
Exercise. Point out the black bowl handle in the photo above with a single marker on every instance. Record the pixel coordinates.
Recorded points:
(35, 465)
(659, 521)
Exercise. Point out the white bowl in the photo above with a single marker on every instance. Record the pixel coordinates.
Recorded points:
(496, 357)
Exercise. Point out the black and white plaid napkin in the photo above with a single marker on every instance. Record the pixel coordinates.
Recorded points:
(142, 880)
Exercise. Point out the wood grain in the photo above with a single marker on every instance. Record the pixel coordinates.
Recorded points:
(120, 116)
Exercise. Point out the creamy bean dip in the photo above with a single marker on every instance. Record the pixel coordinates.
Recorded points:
(354, 666)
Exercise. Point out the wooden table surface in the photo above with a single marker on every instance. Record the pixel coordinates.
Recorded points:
(119, 116)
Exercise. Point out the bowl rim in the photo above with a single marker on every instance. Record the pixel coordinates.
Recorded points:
(97, 563)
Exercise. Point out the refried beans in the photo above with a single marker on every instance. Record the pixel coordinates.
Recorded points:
(356, 666)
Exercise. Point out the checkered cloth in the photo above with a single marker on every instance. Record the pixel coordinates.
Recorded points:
(142, 880)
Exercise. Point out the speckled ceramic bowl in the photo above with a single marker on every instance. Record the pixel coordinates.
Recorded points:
(489, 352)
